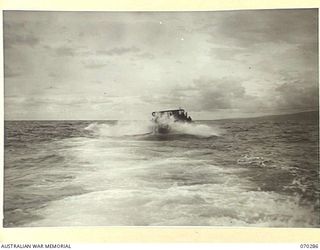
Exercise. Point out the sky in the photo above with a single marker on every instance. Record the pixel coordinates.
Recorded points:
(124, 65)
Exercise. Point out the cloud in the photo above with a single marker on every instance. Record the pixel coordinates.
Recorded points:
(248, 28)
(20, 39)
(163, 100)
(53, 75)
(118, 51)
(92, 63)
(11, 74)
(214, 94)
(8, 72)
(95, 65)
(205, 95)
(145, 55)
(227, 61)
(297, 94)
(64, 51)
(230, 94)
(59, 100)
(16, 34)
(227, 53)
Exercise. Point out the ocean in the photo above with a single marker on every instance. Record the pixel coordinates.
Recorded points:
(254, 172)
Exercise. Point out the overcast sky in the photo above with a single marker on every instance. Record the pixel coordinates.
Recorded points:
(122, 65)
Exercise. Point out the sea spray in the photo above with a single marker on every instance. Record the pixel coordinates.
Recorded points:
(121, 128)
(135, 128)
(196, 129)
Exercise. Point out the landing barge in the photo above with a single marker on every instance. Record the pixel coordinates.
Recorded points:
(163, 120)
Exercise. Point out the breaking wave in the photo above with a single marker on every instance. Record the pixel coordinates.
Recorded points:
(140, 128)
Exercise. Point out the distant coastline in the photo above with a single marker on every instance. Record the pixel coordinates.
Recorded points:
(306, 114)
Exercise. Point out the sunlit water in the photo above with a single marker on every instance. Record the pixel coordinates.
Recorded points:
(241, 172)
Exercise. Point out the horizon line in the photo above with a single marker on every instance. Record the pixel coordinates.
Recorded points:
(248, 117)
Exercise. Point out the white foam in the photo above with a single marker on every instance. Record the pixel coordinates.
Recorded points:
(121, 128)
(131, 128)
(126, 189)
(196, 129)
(213, 205)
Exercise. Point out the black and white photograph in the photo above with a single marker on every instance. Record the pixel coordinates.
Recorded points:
(162, 119)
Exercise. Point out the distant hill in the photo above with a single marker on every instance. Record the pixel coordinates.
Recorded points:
(307, 115)
(300, 115)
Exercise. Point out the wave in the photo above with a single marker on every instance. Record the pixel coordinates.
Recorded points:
(146, 128)
(254, 161)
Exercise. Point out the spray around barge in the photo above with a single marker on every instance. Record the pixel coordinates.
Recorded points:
(163, 120)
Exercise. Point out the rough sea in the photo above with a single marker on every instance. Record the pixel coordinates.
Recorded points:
(261, 172)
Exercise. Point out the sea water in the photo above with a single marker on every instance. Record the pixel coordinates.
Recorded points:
(243, 172)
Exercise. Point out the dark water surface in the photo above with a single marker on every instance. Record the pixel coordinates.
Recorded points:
(241, 172)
